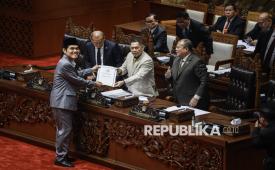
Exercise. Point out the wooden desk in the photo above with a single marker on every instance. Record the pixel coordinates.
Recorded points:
(112, 137)
(166, 11)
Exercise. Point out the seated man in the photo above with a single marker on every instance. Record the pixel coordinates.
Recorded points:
(102, 52)
(140, 69)
(158, 33)
(189, 77)
(194, 31)
(230, 23)
(263, 25)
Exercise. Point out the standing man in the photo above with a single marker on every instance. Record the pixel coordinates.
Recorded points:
(195, 31)
(102, 52)
(158, 33)
(230, 23)
(266, 46)
(139, 67)
(63, 99)
(189, 76)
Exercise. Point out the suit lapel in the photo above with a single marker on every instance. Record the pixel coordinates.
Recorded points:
(185, 65)
(106, 47)
(93, 55)
(176, 67)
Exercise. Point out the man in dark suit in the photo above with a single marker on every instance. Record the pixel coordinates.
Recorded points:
(263, 134)
(102, 52)
(265, 46)
(63, 99)
(158, 33)
(189, 76)
(230, 23)
(194, 31)
(264, 24)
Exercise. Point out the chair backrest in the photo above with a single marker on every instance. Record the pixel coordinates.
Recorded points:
(271, 91)
(218, 11)
(241, 91)
(170, 41)
(124, 39)
(73, 29)
(251, 20)
(224, 47)
(196, 10)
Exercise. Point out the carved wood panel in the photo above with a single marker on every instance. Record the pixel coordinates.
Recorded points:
(178, 152)
(23, 109)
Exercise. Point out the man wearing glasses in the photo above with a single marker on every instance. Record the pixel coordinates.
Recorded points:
(159, 35)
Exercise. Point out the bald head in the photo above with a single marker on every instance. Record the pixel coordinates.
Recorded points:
(265, 21)
(97, 38)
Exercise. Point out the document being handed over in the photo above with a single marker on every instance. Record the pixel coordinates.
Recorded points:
(106, 75)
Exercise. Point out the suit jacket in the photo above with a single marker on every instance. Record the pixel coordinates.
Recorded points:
(66, 83)
(254, 33)
(197, 33)
(261, 47)
(160, 40)
(191, 79)
(236, 26)
(111, 55)
(264, 139)
(141, 80)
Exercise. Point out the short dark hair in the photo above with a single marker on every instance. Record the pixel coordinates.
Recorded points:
(69, 41)
(231, 4)
(154, 16)
(183, 14)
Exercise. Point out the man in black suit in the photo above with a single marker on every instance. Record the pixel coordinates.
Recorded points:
(265, 46)
(194, 31)
(189, 77)
(99, 51)
(158, 33)
(264, 23)
(230, 23)
(263, 134)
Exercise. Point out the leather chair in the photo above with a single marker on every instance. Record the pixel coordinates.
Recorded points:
(125, 49)
(270, 95)
(241, 94)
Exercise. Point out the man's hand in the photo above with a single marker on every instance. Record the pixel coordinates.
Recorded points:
(95, 68)
(119, 71)
(98, 84)
(119, 83)
(193, 102)
(168, 73)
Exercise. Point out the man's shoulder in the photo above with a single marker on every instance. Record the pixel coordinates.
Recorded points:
(110, 43)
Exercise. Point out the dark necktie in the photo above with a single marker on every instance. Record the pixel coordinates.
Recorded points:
(98, 56)
(269, 54)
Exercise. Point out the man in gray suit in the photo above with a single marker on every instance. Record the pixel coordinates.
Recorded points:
(140, 69)
(63, 99)
(189, 76)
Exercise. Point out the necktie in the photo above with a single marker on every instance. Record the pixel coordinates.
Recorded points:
(269, 54)
(98, 56)
(225, 28)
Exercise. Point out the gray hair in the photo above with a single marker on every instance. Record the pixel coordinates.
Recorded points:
(186, 43)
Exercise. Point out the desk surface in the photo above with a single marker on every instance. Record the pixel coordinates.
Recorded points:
(112, 136)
